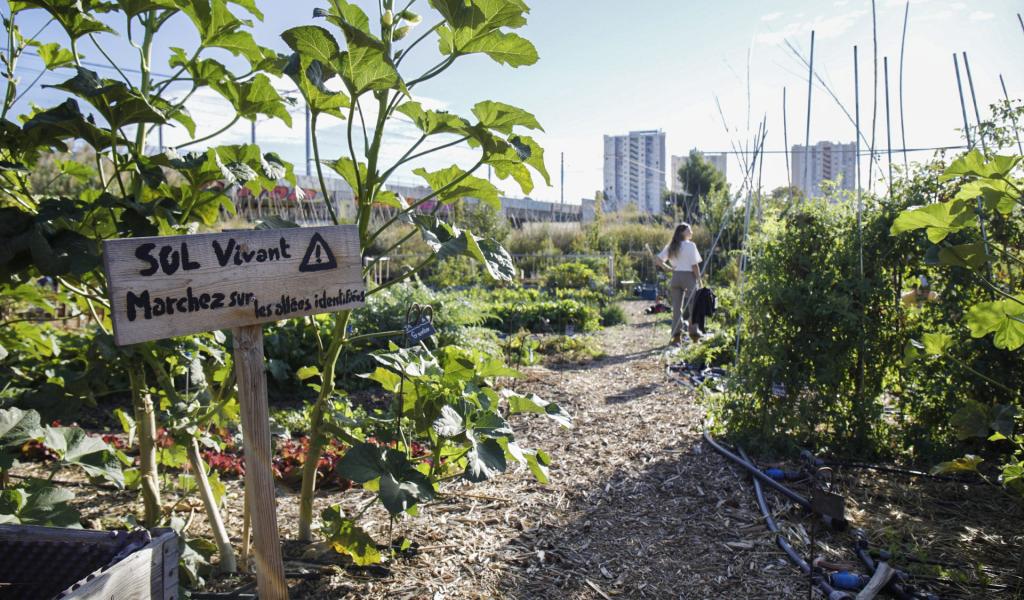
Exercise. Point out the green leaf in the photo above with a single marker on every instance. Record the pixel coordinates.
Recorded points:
(127, 424)
(38, 502)
(119, 104)
(971, 421)
(996, 194)
(975, 164)
(531, 403)
(534, 152)
(362, 463)
(486, 459)
(258, 97)
(343, 12)
(504, 117)
(432, 122)
(76, 447)
(365, 66)
(55, 56)
(538, 463)
(1004, 318)
(401, 485)
(18, 426)
(505, 48)
(965, 464)
(467, 186)
(449, 424)
(936, 344)
(345, 168)
(305, 373)
(348, 538)
(74, 16)
(971, 256)
(939, 219)
(1002, 418)
(314, 43)
(135, 7)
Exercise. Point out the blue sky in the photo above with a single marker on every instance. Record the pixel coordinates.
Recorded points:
(611, 67)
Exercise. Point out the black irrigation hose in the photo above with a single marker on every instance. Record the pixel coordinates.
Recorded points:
(886, 469)
(897, 585)
(836, 524)
(780, 539)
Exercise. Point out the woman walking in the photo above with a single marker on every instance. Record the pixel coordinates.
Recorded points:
(682, 258)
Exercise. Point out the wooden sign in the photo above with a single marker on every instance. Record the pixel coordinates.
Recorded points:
(163, 287)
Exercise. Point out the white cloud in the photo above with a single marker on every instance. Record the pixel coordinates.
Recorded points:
(824, 28)
(958, 6)
(771, 16)
(981, 15)
(840, 3)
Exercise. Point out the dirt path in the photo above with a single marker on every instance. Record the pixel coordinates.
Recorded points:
(637, 506)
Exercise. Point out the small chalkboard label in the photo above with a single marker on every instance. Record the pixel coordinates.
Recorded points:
(828, 503)
(420, 331)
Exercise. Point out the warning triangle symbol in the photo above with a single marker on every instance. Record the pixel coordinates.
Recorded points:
(318, 256)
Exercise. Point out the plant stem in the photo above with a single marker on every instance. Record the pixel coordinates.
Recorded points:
(145, 419)
(316, 418)
(212, 135)
(319, 168)
(220, 535)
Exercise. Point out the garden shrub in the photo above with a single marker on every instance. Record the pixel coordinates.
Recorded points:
(612, 315)
(573, 275)
(812, 366)
(545, 316)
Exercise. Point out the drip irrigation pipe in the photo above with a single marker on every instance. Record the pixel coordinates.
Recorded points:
(807, 455)
(780, 539)
(836, 524)
(897, 586)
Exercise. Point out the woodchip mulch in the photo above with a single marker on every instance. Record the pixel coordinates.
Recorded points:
(637, 507)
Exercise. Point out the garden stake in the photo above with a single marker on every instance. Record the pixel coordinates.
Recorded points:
(1013, 117)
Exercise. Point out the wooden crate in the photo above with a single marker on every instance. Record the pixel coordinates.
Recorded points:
(47, 563)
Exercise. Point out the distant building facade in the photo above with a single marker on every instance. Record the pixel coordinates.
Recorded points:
(634, 170)
(825, 161)
(718, 160)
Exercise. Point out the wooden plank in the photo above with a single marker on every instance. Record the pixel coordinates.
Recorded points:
(36, 533)
(143, 575)
(162, 287)
(259, 478)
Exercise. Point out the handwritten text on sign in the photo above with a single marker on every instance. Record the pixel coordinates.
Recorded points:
(162, 287)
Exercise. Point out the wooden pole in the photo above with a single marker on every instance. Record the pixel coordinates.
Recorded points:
(1009, 106)
(807, 132)
(259, 479)
(888, 123)
(785, 141)
(903, 130)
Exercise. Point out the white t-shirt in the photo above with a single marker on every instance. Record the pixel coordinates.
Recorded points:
(685, 258)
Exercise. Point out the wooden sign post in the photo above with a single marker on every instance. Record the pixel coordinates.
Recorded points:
(164, 287)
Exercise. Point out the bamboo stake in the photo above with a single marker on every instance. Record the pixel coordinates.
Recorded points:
(984, 148)
(785, 141)
(903, 130)
(807, 131)
(1013, 117)
(888, 125)
(860, 200)
(874, 105)
(963, 105)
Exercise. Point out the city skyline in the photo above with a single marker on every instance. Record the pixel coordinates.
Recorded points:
(662, 83)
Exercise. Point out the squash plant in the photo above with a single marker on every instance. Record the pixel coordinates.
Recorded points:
(350, 67)
(448, 399)
(135, 190)
(978, 231)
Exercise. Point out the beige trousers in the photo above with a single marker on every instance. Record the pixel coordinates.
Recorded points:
(680, 291)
